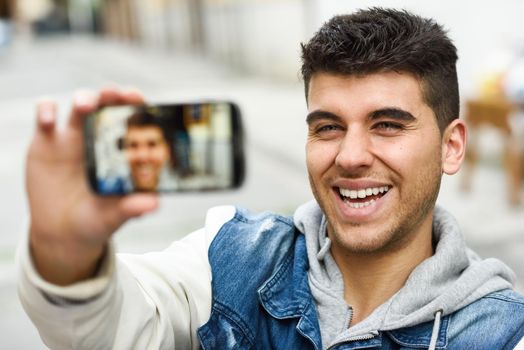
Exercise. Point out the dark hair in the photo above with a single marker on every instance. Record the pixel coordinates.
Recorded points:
(381, 40)
(144, 117)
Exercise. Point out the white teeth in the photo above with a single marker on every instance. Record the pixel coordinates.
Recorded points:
(361, 204)
(362, 193)
(348, 193)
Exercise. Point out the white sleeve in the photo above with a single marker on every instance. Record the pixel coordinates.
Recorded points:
(151, 301)
(520, 345)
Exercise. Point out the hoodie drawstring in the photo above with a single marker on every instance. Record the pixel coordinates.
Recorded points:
(324, 249)
(436, 330)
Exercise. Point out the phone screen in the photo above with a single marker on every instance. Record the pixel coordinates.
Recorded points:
(164, 148)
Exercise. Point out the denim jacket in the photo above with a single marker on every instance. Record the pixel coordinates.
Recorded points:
(261, 299)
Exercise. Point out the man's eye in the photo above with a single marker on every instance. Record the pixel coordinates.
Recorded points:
(388, 126)
(327, 128)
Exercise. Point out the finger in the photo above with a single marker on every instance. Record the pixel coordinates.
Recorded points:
(138, 204)
(133, 97)
(114, 96)
(110, 96)
(84, 102)
(46, 111)
(114, 211)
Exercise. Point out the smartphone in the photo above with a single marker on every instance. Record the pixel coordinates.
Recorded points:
(164, 148)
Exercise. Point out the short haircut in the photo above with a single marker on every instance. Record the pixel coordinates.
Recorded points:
(145, 117)
(380, 40)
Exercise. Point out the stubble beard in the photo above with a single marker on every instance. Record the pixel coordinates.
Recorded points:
(401, 229)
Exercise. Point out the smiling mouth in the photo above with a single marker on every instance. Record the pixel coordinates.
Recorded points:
(144, 171)
(363, 197)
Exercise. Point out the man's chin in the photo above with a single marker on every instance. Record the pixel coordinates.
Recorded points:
(145, 187)
(148, 189)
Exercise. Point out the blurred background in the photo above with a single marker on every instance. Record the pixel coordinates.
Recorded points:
(247, 51)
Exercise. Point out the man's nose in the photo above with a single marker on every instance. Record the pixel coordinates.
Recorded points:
(142, 152)
(355, 150)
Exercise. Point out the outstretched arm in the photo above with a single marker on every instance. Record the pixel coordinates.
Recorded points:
(69, 225)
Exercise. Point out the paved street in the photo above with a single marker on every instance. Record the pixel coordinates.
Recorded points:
(274, 121)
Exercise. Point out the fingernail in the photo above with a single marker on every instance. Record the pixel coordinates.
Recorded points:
(47, 115)
(84, 98)
(46, 110)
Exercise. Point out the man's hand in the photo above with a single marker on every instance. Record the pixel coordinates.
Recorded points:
(70, 226)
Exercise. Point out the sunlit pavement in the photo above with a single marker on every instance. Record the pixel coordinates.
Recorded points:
(274, 122)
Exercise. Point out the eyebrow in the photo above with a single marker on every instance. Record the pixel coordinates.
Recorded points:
(393, 113)
(321, 115)
(390, 112)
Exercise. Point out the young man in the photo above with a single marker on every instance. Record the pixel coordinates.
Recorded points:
(146, 150)
(370, 264)
(145, 147)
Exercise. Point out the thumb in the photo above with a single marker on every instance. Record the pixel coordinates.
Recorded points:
(138, 204)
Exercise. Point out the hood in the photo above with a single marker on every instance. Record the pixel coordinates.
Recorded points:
(449, 280)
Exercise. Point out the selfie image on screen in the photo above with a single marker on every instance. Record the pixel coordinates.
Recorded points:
(163, 148)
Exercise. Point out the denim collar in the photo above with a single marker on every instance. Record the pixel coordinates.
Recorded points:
(286, 293)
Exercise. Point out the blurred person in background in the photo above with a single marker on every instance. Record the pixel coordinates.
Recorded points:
(371, 263)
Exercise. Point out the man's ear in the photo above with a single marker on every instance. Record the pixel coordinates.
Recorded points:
(453, 146)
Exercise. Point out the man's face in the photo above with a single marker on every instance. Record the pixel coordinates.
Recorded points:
(146, 151)
(374, 159)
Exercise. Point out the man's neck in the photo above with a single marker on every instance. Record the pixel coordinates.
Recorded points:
(371, 279)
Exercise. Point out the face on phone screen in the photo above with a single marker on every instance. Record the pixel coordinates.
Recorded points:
(164, 148)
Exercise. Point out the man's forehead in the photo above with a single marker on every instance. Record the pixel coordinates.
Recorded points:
(356, 77)
(145, 134)
(144, 129)
(387, 87)
(395, 95)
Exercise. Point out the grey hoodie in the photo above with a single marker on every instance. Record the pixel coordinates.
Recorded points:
(449, 280)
